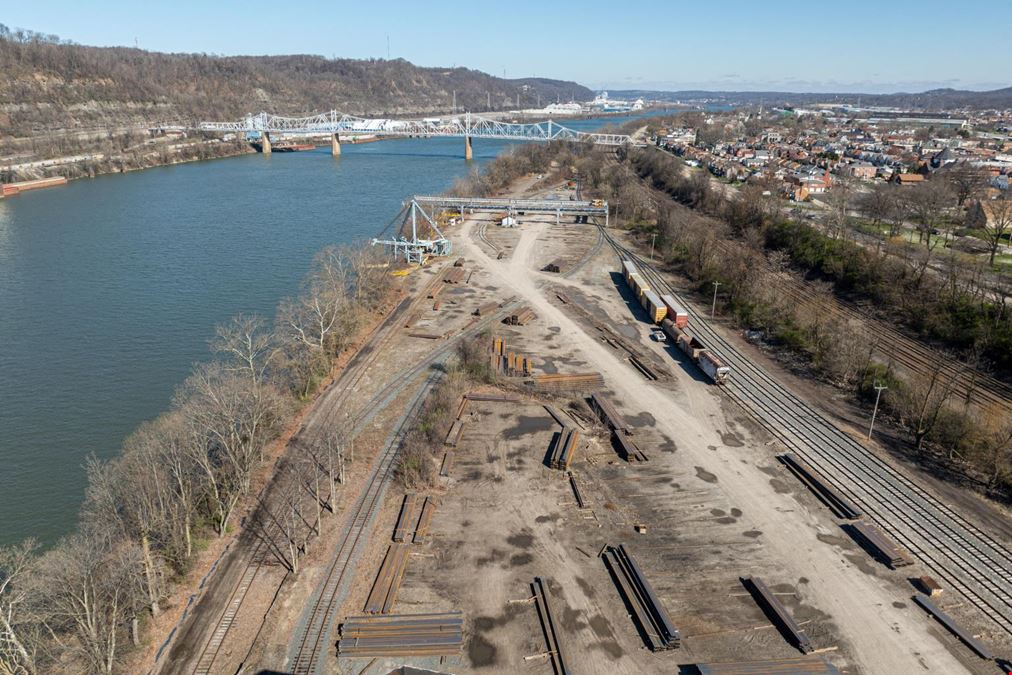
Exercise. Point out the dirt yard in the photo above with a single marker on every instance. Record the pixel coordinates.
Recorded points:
(715, 503)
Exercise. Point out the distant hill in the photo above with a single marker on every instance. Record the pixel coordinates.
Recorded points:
(935, 99)
(49, 85)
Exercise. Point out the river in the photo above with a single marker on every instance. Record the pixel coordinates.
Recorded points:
(110, 289)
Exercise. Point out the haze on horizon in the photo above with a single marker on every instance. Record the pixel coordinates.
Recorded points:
(868, 47)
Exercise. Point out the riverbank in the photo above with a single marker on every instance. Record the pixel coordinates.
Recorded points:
(104, 159)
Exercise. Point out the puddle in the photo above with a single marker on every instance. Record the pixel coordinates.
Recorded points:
(704, 475)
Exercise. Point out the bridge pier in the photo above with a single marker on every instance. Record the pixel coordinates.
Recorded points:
(265, 143)
(335, 145)
(468, 154)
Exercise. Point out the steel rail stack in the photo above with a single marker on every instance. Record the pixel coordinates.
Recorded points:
(654, 623)
(402, 635)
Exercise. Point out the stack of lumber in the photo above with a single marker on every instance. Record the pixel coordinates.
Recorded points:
(651, 616)
(402, 635)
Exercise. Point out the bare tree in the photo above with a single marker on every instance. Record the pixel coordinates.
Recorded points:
(249, 343)
(966, 180)
(924, 399)
(928, 203)
(234, 419)
(90, 586)
(994, 450)
(20, 630)
(998, 225)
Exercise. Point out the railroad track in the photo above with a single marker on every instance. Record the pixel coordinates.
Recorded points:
(483, 235)
(588, 256)
(967, 558)
(905, 351)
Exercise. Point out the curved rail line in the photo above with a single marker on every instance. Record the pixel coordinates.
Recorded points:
(969, 559)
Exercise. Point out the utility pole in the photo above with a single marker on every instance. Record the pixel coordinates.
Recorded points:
(388, 46)
(879, 388)
(653, 238)
(455, 101)
(713, 309)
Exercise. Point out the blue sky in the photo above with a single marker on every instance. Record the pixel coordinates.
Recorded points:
(861, 45)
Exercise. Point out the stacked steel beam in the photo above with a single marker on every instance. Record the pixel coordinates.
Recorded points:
(486, 308)
(973, 643)
(548, 626)
(651, 616)
(621, 434)
(778, 614)
(425, 520)
(408, 518)
(822, 488)
(503, 361)
(415, 518)
(454, 275)
(880, 544)
(804, 666)
(564, 448)
(402, 635)
(388, 580)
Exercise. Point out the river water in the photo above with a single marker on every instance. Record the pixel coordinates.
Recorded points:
(110, 290)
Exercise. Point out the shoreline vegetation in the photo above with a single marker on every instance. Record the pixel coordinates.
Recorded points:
(177, 487)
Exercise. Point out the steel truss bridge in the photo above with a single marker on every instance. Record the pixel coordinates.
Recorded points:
(421, 211)
(465, 125)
